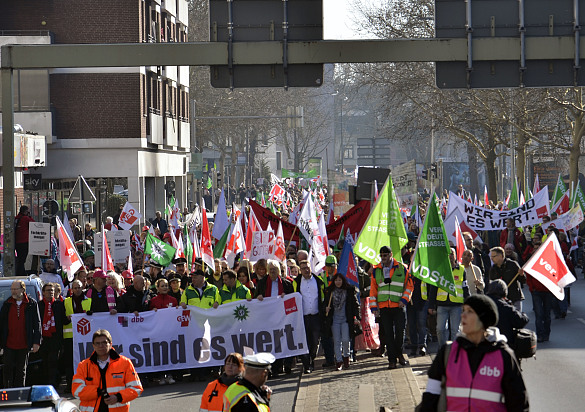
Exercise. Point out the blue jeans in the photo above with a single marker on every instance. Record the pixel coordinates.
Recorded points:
(417, 324)
(451, 313)
(340, 331)
(543, 303)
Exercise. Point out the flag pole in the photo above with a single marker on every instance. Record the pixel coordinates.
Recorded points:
(291, 238)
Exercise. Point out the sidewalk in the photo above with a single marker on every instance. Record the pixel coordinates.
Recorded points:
(365, 387)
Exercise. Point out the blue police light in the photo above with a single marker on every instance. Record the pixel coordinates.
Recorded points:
(40, 393)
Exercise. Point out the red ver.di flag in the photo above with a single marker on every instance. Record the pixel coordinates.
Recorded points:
(68, 256)
(548, 266)
(129, 217)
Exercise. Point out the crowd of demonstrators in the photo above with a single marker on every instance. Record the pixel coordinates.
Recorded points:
(391, 301)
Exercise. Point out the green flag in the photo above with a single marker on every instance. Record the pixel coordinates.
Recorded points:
(188, 246)
(384, 227)
(170, 206)
(209, 183)
(560, 190)
(218, 249)
(431, 262)
(159, 251)
(578, 197)
(514, 201)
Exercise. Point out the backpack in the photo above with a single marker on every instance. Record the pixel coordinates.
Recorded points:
(525, 344)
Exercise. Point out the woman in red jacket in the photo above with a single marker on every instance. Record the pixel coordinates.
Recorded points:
(162, 299)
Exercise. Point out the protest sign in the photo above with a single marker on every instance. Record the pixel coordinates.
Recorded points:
(262, 245)
(481, 218)
(568, 221)
(404, 179)
(174, 338)
(39, 239)
(118, 243)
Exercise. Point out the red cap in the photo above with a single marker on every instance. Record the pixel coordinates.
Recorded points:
(99, 274)
(127, 274)
(167, 235)
(145, 228)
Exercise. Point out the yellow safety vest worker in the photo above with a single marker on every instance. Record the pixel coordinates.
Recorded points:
(209, 296)
(458, 277)
(68, 329)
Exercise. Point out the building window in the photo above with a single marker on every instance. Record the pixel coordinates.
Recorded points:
(348, 152)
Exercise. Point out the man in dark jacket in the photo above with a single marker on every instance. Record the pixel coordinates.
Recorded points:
(312, 290)
(509, 318)
(511, 273)
(137, 297)
(52, 314)
(275, 285)
(20, 330)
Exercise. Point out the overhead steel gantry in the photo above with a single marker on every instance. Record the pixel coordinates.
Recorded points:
(16, 57)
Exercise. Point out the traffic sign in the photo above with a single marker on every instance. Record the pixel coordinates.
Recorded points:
(50, 208)
(276, 22)
(81, 191)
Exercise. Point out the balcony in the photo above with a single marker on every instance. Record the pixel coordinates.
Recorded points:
(172, 131)
(156, 128)
(185, 135)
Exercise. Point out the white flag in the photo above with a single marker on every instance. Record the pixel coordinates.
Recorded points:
(129, 217)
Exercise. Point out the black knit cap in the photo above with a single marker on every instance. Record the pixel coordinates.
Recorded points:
(485, 307)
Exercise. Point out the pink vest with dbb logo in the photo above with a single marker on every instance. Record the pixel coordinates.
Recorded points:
(482, 392)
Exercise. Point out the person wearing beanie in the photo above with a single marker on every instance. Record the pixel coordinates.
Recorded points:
(479, 369)
(509, 317)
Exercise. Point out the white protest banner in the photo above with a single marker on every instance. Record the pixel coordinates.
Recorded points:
(174, 338)
(481, 218)
(567, 221)
(118, 243)
(262, 245)
(404, 180)
(129, 217)
(39, 239)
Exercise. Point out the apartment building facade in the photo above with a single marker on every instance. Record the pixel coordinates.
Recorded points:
(128, 125)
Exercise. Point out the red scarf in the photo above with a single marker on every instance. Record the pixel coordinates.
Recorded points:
(269, 287)
(49, 320)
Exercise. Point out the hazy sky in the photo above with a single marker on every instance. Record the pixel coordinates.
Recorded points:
(337, 19)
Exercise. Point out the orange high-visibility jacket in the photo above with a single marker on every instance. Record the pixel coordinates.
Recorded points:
(121, 378)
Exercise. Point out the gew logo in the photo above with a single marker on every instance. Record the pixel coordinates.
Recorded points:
(123, 321)
(184, 318)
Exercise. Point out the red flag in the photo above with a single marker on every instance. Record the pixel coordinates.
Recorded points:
(279, 249)
(548, 266)
(68, 256)
(563, 205)
(351, 269)
(206, 248)
(486, 200)
(107, 262)
(253, 226)
(459, 241)
(536, 188)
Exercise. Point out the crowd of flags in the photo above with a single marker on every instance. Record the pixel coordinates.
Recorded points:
(233, 234)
